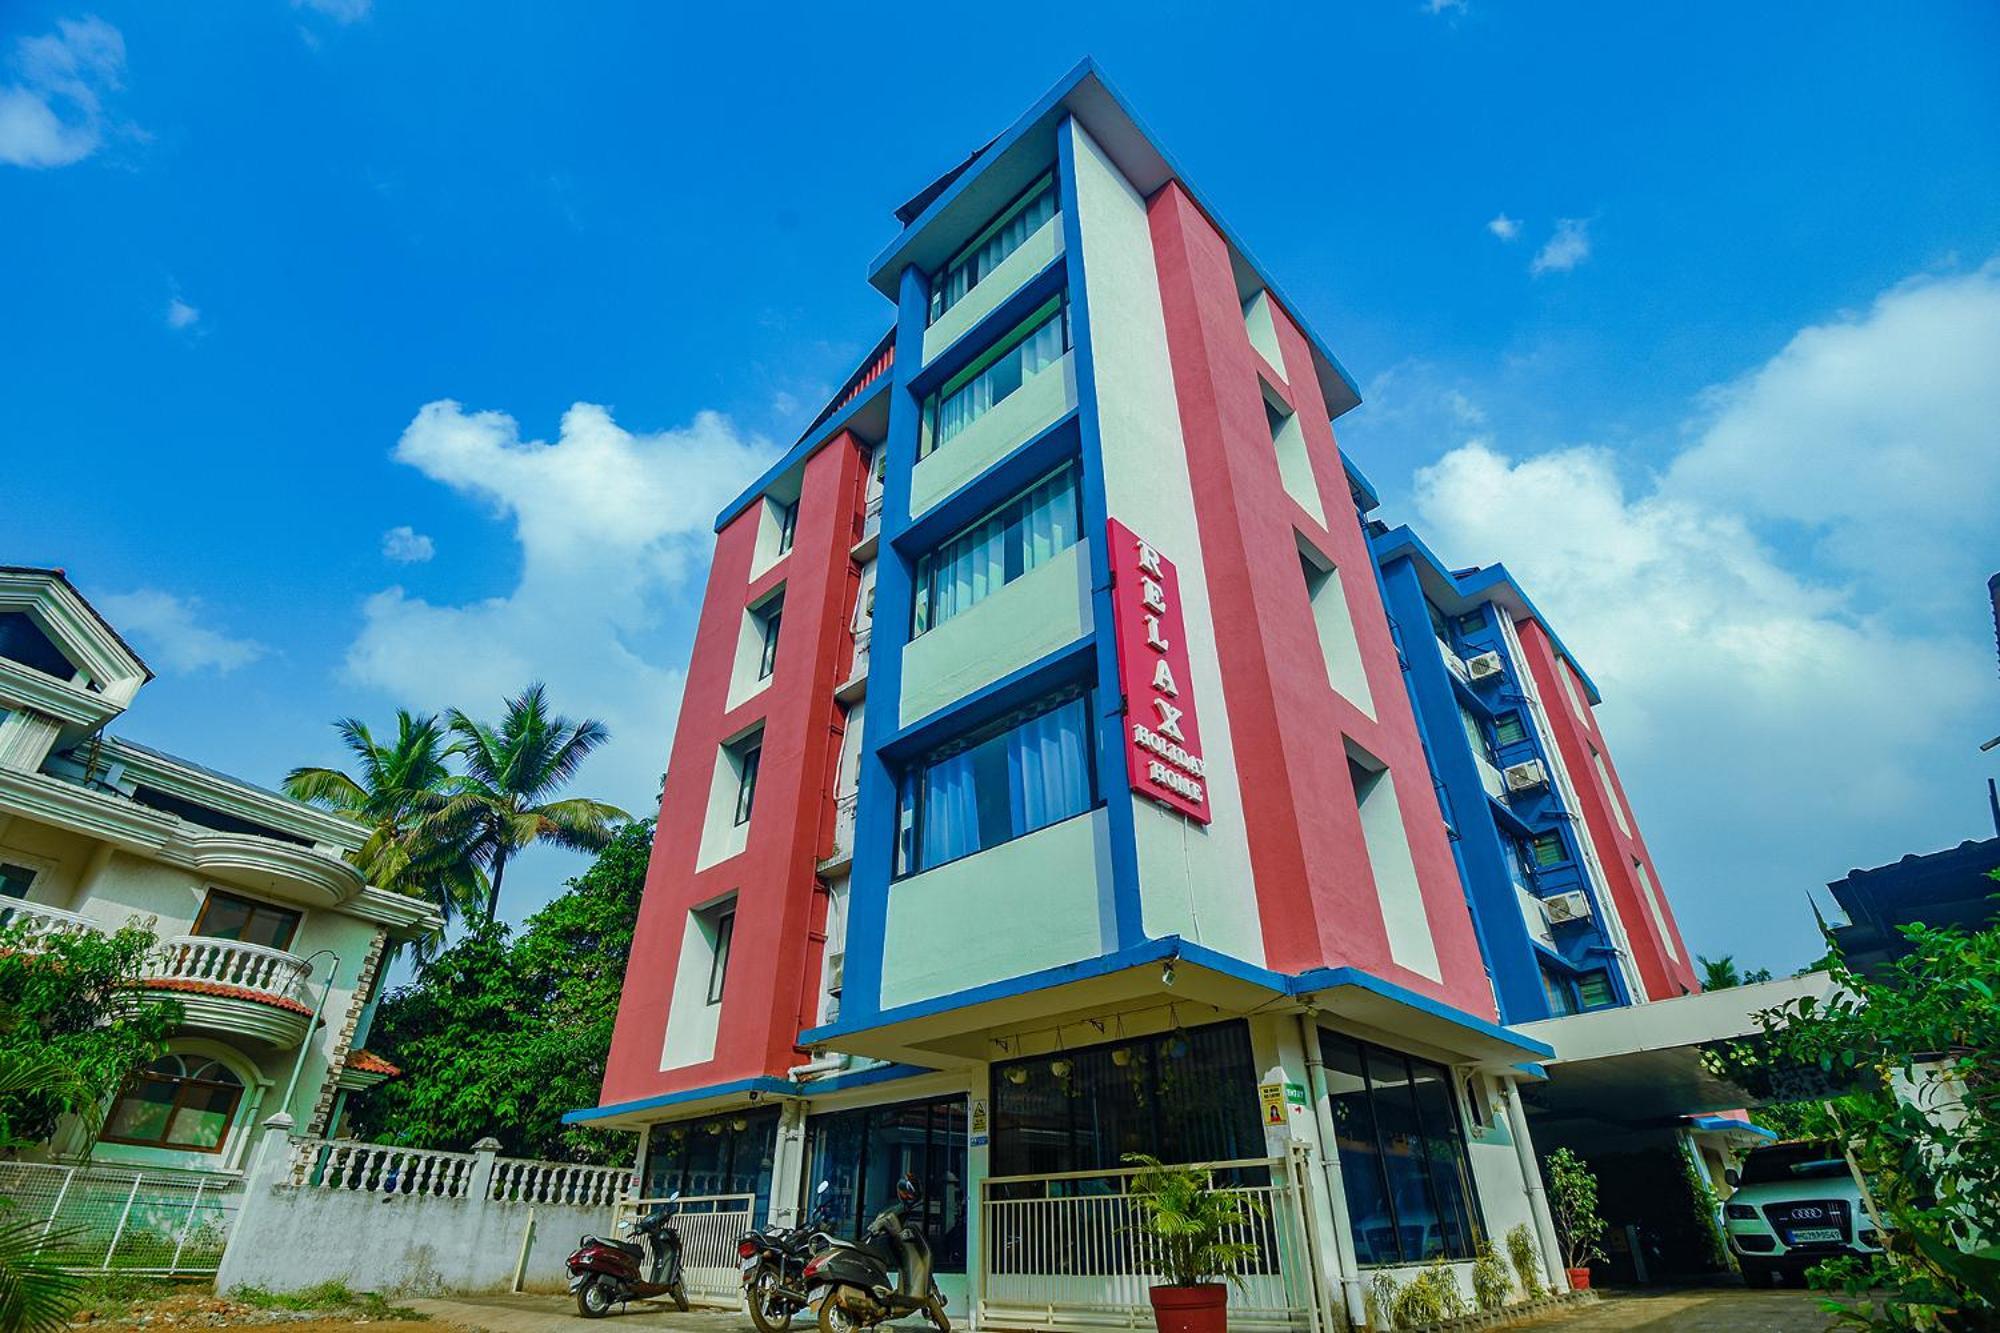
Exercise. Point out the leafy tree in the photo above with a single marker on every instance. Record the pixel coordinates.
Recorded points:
(395, 788)
(1573, 1199)
(500, 1034)
(71, 1007)
(1193, 1222)
(1721, 974)
(1911, 1057)
(503, 804)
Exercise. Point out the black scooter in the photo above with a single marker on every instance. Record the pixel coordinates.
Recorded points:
(774, 1261)
(605, 1272)
(850, 1279)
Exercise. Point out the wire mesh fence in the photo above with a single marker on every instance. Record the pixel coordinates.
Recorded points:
(104, 1219)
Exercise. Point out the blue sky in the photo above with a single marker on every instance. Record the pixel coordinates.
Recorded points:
(1689, 314)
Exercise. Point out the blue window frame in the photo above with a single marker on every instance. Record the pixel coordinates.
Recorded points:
(996, 240)
(1028, 531)
(1025, 772)
(1025, 351)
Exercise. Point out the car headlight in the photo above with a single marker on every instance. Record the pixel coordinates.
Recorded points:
(1742, 1211)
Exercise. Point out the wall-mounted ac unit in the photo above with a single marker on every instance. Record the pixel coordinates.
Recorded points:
(1561, 907)
(836, 972)
(1486, 666)
(1526, 775)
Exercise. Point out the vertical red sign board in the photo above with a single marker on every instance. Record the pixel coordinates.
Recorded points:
(1162, 735)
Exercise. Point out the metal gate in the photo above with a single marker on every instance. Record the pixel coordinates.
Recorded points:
(107, 1219)
(709, 1225)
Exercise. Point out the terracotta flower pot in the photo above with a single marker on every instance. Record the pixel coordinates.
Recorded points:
(1202, 1309)
(1579, 1279)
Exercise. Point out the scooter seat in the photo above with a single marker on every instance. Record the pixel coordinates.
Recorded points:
(621, 1245)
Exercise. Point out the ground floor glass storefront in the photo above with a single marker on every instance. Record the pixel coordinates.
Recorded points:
(1189, 1095)
(863, 1152)
(723, 1154)
(1403, 1163)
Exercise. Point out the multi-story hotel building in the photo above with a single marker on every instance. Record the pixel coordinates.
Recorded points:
(1047, 787)
(271, 942)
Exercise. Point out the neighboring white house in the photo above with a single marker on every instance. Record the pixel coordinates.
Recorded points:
(248, 892)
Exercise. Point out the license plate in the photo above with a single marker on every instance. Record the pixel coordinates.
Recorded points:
(1814, 1235)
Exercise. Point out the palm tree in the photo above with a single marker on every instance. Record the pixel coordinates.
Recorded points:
(1719, 973)
(396, 789)
(37, 1294)
(502, 803)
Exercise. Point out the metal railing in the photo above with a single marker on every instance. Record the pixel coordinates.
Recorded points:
(38, 921)
(92, 1219)
(520, 1180)
(1072, 1250)
(271, 973)
(709, 1225)
(372, 1168)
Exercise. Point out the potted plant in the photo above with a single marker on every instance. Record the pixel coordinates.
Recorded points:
(1573, 1198)
(1194, 1229)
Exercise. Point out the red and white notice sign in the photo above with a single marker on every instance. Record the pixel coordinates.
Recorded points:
(1162, 737)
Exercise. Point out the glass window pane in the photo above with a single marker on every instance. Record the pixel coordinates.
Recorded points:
(1444, 1155)
(203, 1118)
(1419, 1229)
(1510, 729)
(1011, 783)
(142, 1113)
(223, 918)
(958, 280)
(1369, 1209)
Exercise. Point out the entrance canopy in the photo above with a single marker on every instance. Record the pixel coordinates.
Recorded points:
(983, 1023)
(1641, 1066)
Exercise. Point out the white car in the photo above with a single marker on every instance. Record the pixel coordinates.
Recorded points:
(1795, 1205)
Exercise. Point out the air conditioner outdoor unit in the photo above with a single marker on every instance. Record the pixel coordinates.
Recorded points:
(1561, 907)
(1526, 775)
(836, 970)
(1486, 666)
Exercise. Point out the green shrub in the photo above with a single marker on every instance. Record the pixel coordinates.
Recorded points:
(1490, 1284)
(1380, 1304)
(1526, 1258)
(1431, 1297)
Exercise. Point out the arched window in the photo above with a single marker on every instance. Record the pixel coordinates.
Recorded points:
(178, 1101)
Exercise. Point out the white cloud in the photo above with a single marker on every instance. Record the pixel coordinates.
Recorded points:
(1778, 715)
(1565, 249)
(1504, 227)
(181, 315)
(54, 115)
(406, 546)
(612, 527)
(169, 632)
(340, 11)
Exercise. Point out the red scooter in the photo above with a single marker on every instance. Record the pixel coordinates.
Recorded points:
(605, 1272)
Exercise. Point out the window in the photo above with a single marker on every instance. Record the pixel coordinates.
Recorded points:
(1410, 1196)
(724, 1154)
(767, 660)
(1473, 620)
(1593, 990)
(177, 1101)
(862, 1153)
(746, 781)
(1028, 531)
(1475, 734)
(990, 248)
(1439, 625)
(15, 881)
(1034, 345)
(1509, 729)
(1018, 775)
(718, 965)
(1546, 849)
(788, 522)
(1556, 989)
(227, 917)
(22, 640)
(1189, 1095)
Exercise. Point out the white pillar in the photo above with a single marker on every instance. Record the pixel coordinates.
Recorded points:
(978, 1165)
(788, 1165)
(269, 1162)
(1531, 1182)
(1346, 1265)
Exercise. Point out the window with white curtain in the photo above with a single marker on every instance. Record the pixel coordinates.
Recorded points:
(990, 248)
(1026, 532)
(1031, 347)
(1023, 773)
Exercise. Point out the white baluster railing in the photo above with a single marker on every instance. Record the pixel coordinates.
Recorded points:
(37, 922)
(253, 967)
(373, 1168)
(518, 1180)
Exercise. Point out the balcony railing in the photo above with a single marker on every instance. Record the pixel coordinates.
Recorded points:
(38, 922)
(271, 975)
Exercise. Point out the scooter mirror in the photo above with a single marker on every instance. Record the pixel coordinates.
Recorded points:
(675, 1197)
(824, 1186)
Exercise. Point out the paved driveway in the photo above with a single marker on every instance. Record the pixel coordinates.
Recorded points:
(1697, 1310)
(557, 1314)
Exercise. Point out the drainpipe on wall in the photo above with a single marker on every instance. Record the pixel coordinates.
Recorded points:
(1538, 1197)
(1348, 1268)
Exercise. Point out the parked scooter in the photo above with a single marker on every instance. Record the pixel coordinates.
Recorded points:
(605, 1272)
(850, 1279)
(774, 1262)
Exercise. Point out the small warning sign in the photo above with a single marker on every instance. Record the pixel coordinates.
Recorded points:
(1272, 1098)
